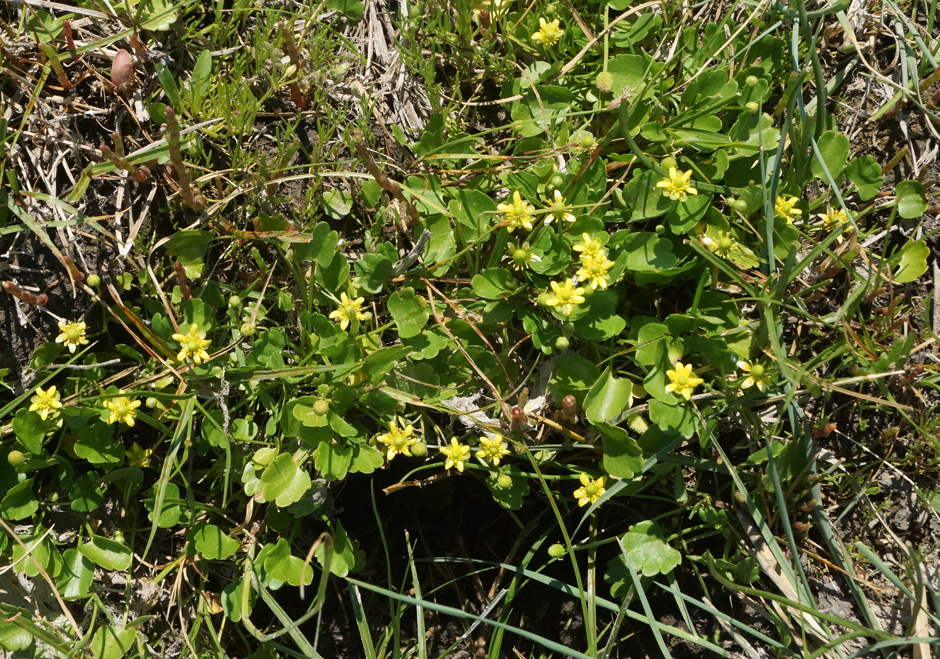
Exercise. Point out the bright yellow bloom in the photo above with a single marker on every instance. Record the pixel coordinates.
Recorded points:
(721, 246)
(833, 220)
(456, 454)
(682, 380)
(756, 375)
(492, 449)
(347, 309)
(676, 186)
(558, 210)
(549, 33)
(73, 334)
(193, 345)
(594, 269)
(518, 214)
(122, 409)
(398, 439)
(138, 457)
(520, 256)
(566, 296)
(45, 402)
(786, 207)
(589, 246)
(590, 491)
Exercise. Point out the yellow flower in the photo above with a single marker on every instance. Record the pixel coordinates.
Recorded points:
(786, 207)
(682, 380)
(347, 309)
(565, 296)
(73, 334)
(520, 256)
(517, 214)
(492, 449)
(549, 33)
(676, 186)
(456, 454)
(193, 345)
(721, 246)
(45, 402)
(590, 491)
(833, 220)
(594, 269)
(756, 375)
(122, 409)
(558, 210)
(398, 439)
(138, 457)
(589, 246)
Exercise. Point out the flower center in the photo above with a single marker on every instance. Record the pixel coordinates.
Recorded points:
(757, 371)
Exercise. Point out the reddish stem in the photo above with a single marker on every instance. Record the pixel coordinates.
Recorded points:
(29, 298)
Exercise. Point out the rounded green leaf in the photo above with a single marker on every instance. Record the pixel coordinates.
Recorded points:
(107, 553)
(30, 430)
(649, 553)
(212, 543)
(608, 397)
(76, 576)
(409, 312)
(19, 502)
(913, 262)
(866, 174)
(911, 200)
(493, 284)
(834, 151)
(107, 643)
(283, 481)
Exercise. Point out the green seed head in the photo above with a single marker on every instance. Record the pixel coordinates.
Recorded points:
(556, 550)
(562, 343)
(604, 82)
(93, 280)
(419, 449)
(751, 81)
(16, 458)
(504, 481)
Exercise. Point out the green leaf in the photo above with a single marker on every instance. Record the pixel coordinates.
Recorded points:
(351, 9)
(365, 460)
(913, 261)
(441, 246)
(372, 271)
(14, 638)
(199, 83)
(678, 418)
(601, 321)
(553, 252)
(157, 15)
(19, 502)
(171, 512)
(30, 430)
(647, 252)
(647, 342)
(87, 493)
(110, 644)
(284, 481)
(684, 215)
(212, 543)
(282, 566)
(911, 201)
(623, 457)
(494, 284)
(409, 311)
(644, 200)
(95, 444)
(40, 550)
(321, 247)
(866, 174)
(608, 397)
(336, 203)
(473, 210)
(76, 576)
(834, 151)
(106, 553)
(649, 553)
(190, 247)
(534, 114)
(232, 599)
(332, 461)
(347, 557)
(573, 375)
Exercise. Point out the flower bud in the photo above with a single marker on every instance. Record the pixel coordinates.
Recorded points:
(751, 81)
(604, 82)
(93, 280)
(751, 106)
